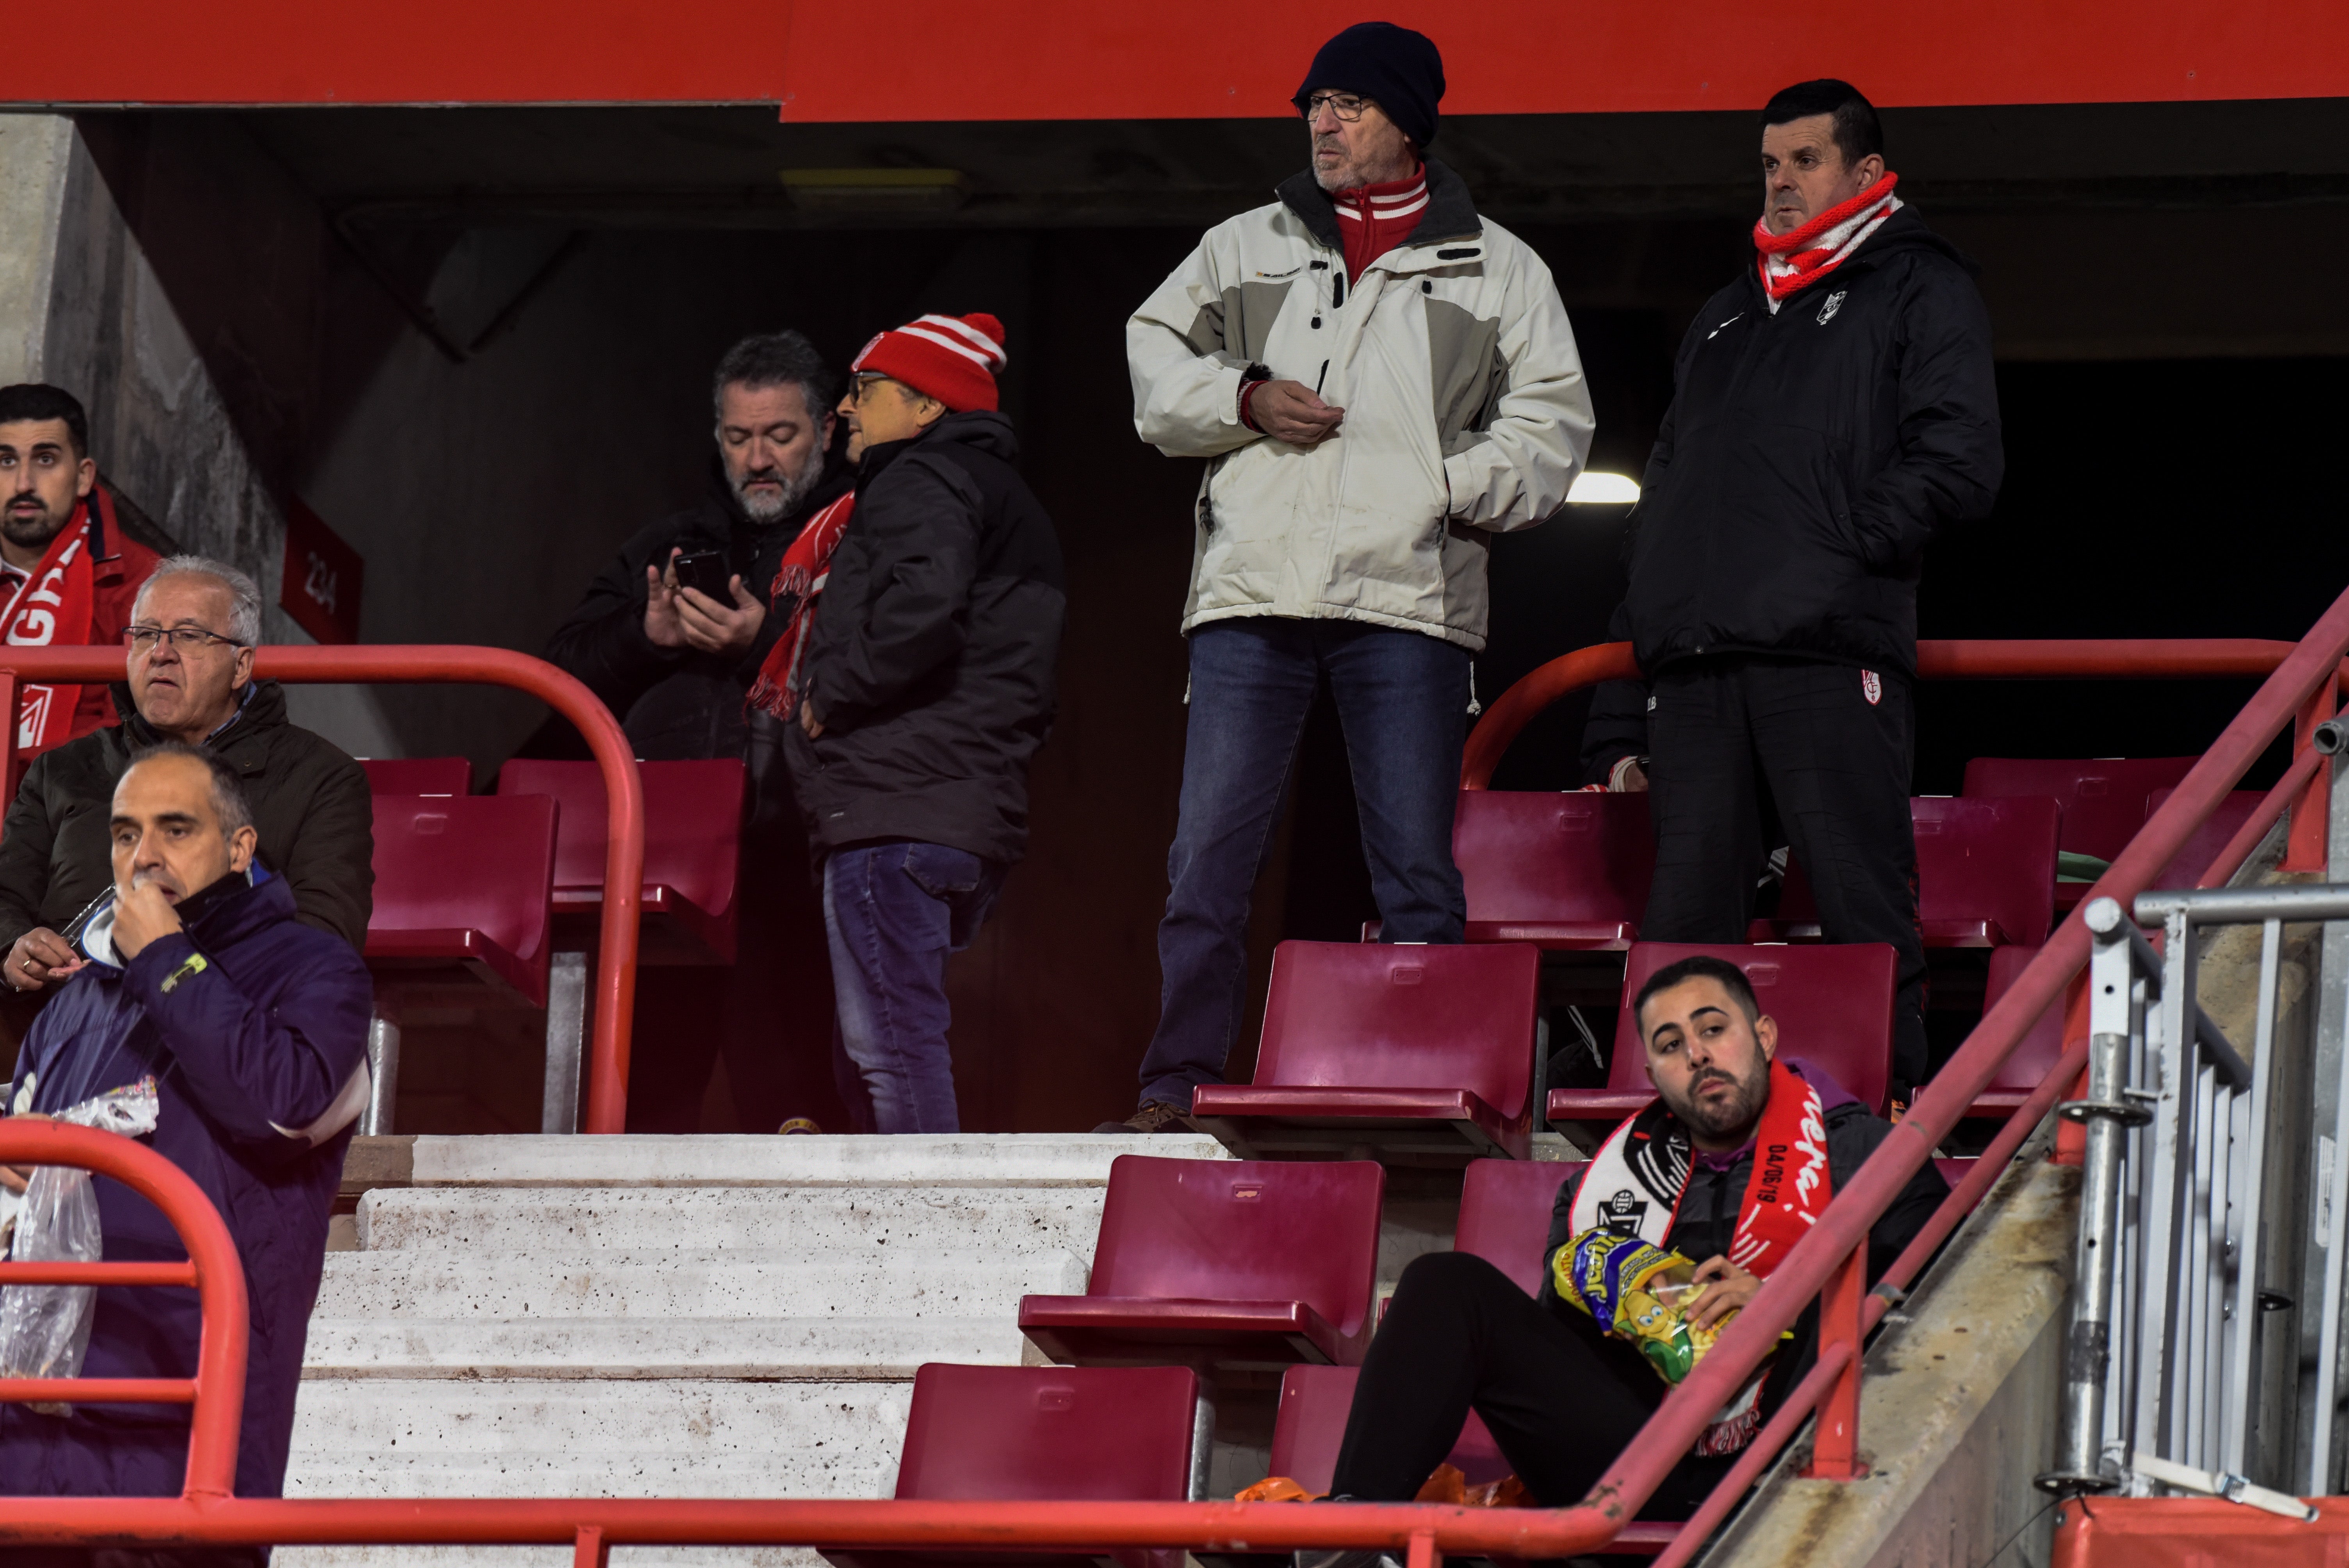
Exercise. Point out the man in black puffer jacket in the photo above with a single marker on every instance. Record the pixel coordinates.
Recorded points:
(1834, 410)
(676, 665)
(923, 681)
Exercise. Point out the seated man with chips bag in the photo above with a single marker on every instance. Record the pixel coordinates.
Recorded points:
(1664, 1235)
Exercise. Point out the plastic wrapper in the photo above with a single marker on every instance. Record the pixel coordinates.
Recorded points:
(45, 1329)
(1638, 1292)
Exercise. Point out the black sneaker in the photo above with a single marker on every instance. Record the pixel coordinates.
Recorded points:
(1157, 1115)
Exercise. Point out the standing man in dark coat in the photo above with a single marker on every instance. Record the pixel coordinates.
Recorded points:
(924, 681)
(253, 1026)
(1834, 410)
(677, 664)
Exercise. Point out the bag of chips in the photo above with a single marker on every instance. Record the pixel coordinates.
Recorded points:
(1638, 1292)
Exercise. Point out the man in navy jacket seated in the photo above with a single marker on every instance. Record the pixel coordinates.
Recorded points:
(254, 1027)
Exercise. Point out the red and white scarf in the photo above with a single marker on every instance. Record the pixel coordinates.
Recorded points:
(806, 569)
(1633, 1186)
(52, 605)
(1794, 262)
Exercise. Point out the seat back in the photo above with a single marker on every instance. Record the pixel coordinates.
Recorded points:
(475, 862)
(419, 775)
(1991, 859)
(1310, 1426)
(1367, 1014)
(1243, 1230)
(2102, 798)
(1832, 1003)
(693, 822)
(1988, 860)
(2042, 1045)
(2202, 846)
(1549, 857)
(1504, 1214)
(1049, 1433)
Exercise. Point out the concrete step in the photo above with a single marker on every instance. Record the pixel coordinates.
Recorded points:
(804, 1432)
(749, 1160)
(760, 1283)
(1011, 1219)
(796, 1348)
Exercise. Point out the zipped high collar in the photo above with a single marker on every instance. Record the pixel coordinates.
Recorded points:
(1450, 214)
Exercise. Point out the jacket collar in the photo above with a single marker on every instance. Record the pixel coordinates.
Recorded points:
(986, 429)
(1451, 212)
(1904, 231)
(262, 708)
(226, 916)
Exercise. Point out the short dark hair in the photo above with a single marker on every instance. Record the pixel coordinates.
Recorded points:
(1696, 966)
(38, 400)
(775, 359)
(229, 803)
(1858, 132)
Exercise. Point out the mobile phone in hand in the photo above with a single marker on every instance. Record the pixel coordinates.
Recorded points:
(704, 571)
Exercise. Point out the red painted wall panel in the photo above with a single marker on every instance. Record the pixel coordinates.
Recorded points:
(1045, 60)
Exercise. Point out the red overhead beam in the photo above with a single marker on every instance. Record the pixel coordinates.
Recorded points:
(1086, 59)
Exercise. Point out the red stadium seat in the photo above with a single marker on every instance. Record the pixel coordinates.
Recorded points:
(1224, 1262)
(1833, 1005)
(1416, 1053)
(693, 833)
(462, 888)
(2194, 856)
(419, 775)
(1985, 875)
(1504, 1214)
(2102, 798)
(2038, 1051)
(1059, 1434)
(1310, 1424)
(1565, 869)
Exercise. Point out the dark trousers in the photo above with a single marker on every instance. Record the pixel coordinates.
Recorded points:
(1835, 760)
(771, 1015)
(894, 910)
(1403, 705)
(1561, 1401)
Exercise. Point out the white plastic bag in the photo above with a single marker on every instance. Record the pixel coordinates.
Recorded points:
(45, 1329)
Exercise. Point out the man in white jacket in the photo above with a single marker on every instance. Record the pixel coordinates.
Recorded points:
(1379, 380)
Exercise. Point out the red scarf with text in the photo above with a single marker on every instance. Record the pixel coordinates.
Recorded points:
(806, 568)
(1792, 262)
(1633, 1185)
(51, 606)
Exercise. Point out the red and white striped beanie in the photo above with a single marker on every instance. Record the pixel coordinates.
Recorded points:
(954, 359)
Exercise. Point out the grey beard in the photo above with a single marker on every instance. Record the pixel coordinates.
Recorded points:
(795, 490)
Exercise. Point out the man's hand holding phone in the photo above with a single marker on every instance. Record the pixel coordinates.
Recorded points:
(687, 611)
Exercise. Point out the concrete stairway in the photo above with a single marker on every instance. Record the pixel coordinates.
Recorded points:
(673, 1317)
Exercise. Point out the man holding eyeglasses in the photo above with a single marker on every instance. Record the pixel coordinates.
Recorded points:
(188, 662)
(1379, 380)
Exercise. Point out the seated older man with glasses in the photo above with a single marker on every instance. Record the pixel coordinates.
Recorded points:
(190, 678)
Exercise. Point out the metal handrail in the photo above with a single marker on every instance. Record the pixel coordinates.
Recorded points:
(428, 664)
(1832, 1253)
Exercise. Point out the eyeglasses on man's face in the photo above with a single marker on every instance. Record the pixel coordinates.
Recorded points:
(1347, 106)
(187, 639)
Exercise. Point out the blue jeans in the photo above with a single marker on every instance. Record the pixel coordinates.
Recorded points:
(1402, 704)
(893, 911)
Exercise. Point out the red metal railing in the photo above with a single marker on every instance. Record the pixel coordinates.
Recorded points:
(623, 862)
(1830, 1260)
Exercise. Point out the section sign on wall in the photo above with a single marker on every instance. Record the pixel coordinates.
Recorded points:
(323, 577)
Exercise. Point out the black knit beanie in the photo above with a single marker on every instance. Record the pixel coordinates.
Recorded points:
(1400, 69)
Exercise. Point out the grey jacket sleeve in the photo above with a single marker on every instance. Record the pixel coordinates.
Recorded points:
(1186, 378)
(1515, 471)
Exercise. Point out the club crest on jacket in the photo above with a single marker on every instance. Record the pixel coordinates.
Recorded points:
(1834, 303)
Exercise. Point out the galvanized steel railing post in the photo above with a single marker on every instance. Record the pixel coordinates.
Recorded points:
(2107, 1114)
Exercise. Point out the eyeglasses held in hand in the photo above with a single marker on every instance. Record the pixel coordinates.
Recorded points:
(187, 639)
(1347, 106)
